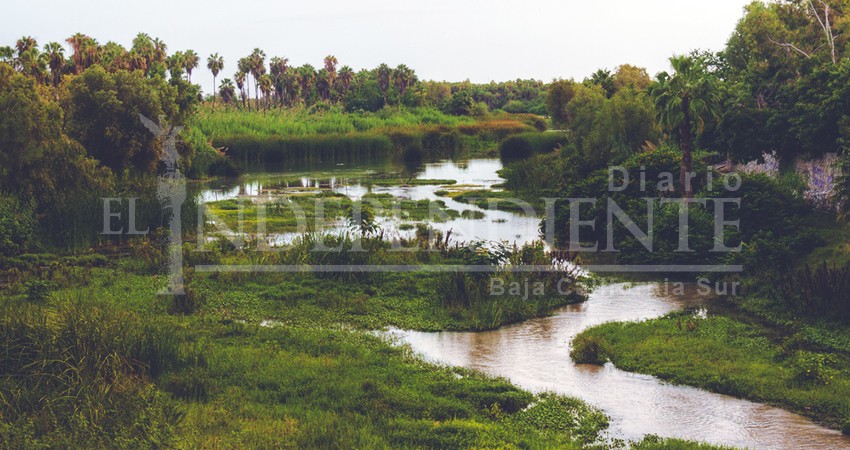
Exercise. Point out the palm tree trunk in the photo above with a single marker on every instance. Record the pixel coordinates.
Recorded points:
(687, 165)
(213, 91)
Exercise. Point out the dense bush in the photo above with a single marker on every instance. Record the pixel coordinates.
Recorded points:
(588, 349)
(17, 226)
(525, 145)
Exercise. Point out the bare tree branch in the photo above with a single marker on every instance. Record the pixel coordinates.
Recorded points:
(825, 25)
(788, 45)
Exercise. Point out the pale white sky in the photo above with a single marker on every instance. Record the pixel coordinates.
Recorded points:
(441, 39)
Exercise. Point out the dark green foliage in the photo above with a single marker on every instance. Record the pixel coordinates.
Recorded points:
(540, 174)
(525, 145)
(36, 290)
(589, 350)
(813, 368)
(461, 104)
(558, 96)
(767, 205)
(820, 292)
(187, 303)
(103, 115)
(17, 226)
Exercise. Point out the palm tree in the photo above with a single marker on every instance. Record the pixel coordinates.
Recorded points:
(91, 52)
(190, 62)
(226, 91)
(55, 60)
(24, 44)
(330, 67)
(266, 88)
(136, 61)
(404, 78)
(215, 63)
(240, 82)
(291, 87)
(244, 66)
(114, 57)
(346, 75)
(603, 79)
(306, 78)
(683, 100)
(143, 53)
(159, 50)
(77, 41)
(32, 63)
(7, 54)
(258, 68)
(323, 84)
(278, 68)
(384, 74)
(175, 65)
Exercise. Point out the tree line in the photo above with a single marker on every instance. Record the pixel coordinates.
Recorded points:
(259, 82)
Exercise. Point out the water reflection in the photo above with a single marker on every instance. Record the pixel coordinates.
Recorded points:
(353, 182)
(535, 356)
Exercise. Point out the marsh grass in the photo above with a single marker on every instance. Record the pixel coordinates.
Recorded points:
(83, 370)
(313, 211)
(299, 136)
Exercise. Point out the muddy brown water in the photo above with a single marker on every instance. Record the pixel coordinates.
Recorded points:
(535, 355)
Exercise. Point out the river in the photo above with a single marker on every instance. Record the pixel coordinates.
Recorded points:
(535, 354)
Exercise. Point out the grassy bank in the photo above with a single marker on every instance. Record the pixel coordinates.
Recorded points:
(297, 135)
(725, 355)
(91, 356)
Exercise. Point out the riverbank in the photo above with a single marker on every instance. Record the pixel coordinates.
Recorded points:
(743, 358)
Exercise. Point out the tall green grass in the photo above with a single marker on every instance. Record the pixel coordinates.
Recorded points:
(82, 371)
(298, 136)
(218, 124)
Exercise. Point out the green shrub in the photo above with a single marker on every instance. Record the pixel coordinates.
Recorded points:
(813, 368)
(37, 290)
(587, 349)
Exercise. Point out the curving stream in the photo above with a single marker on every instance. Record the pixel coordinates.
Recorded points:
(535, 355)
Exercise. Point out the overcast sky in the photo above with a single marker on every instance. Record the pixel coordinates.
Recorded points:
(440, 39)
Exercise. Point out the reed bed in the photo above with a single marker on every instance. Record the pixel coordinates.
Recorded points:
(297, 136)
